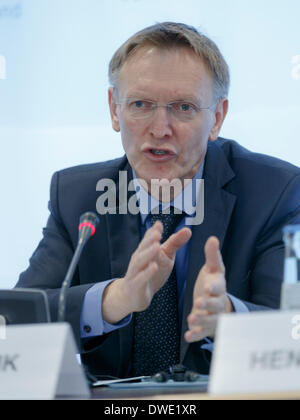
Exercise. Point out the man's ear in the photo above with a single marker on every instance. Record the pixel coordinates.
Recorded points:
(113, 109)
(220, 114)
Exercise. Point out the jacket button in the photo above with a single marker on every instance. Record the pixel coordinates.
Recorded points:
(87, 328)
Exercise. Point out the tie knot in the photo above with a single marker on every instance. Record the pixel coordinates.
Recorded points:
(170, 219)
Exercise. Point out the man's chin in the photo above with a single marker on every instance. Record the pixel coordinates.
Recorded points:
(161, 187)
(153, 174)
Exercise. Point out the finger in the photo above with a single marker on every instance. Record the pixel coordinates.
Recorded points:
(213, 258)
(206, 320)
(214, 285)
(143, 258)
(192, 337)
(176, 241)
(144, 277)
(207, 328)
(151, 236)
(196, 318)
(212, 305)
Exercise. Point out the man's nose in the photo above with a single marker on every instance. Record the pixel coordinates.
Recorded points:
(160, 125)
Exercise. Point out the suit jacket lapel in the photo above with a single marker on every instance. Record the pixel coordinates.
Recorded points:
(218, 206)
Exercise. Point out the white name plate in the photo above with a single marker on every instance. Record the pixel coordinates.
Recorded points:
(290, 296)
(39, 362)
(256, 352)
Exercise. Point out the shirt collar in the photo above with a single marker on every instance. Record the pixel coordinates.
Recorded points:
(185, 201)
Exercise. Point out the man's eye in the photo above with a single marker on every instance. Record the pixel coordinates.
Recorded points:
(184, 107)
(138, 104)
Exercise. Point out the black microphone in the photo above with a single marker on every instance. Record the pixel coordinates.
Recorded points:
(87, 228)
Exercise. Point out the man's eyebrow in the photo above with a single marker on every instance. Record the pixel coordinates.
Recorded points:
(187, 98)
(137, 94)
(143, 95)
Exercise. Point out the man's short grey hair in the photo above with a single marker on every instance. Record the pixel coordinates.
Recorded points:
(169, 35)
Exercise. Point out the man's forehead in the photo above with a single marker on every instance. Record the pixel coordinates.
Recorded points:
(179, 70)
(151, 57)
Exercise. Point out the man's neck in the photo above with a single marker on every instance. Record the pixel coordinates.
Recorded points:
(185, 194)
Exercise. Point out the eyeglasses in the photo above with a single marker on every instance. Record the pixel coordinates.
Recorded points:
(181, 110)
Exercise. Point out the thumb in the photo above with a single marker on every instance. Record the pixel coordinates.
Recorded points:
(176, 241)
(213, 257)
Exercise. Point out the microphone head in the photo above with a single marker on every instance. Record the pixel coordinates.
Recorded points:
(89, 217)
(88, 223)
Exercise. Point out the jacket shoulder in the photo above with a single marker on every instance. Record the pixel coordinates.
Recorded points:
(262, 183)
(100, 169)
(244, 160)
(73, 190)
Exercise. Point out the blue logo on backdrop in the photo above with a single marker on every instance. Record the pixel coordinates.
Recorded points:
(10, 10)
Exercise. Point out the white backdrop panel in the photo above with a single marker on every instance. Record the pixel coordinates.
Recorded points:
(54, 56)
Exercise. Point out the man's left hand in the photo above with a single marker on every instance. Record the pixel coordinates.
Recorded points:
(209, 299)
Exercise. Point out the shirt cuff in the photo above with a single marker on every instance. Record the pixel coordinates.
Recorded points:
(209, 345)
(91, 321)
(238, 305)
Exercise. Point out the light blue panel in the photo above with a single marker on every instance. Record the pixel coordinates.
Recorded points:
(54, 56)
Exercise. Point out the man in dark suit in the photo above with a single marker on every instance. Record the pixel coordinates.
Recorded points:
(168, 98)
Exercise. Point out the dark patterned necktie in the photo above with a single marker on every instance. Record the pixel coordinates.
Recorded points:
(156, 330)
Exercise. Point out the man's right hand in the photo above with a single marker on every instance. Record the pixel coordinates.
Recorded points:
(149, 268)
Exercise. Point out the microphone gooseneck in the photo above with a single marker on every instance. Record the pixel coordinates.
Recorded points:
(87, 228)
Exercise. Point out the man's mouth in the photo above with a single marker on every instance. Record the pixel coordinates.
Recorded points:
(159, 152)
(159, 155)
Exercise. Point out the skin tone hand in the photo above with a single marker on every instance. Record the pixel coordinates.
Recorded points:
(209, 299)
(149, 268)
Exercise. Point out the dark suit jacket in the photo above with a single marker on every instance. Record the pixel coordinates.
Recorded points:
(248, 199)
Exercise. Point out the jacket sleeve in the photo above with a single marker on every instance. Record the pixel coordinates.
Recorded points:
(266, 274)
(49, 264)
